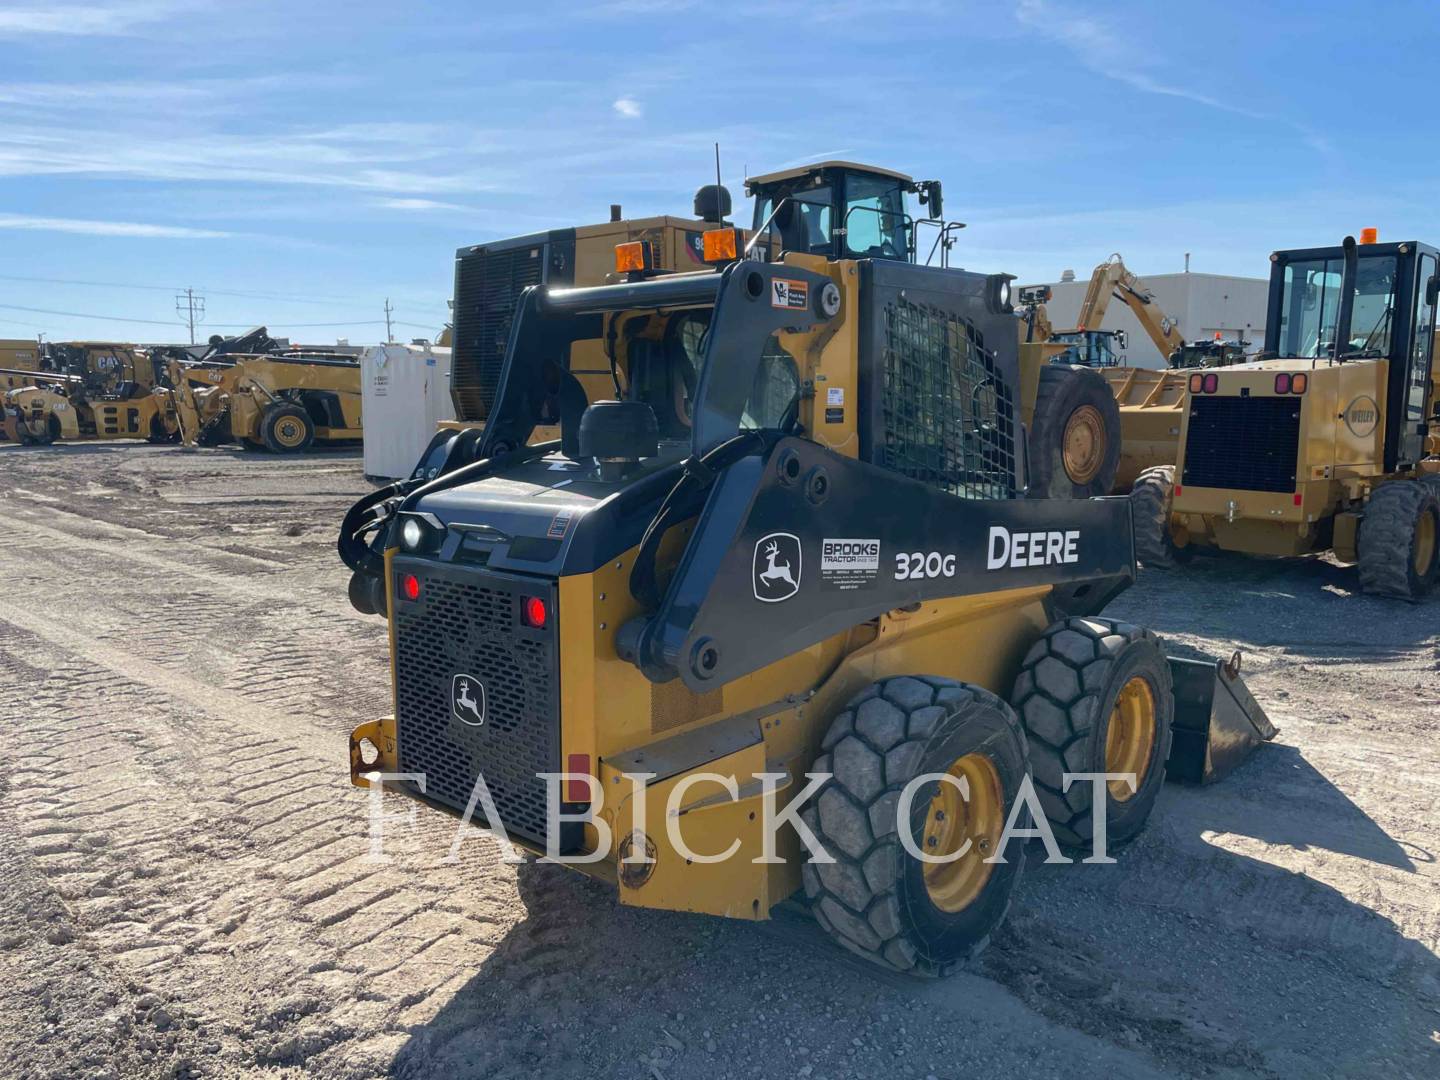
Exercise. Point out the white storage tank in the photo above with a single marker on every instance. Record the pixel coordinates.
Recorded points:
(405, 393)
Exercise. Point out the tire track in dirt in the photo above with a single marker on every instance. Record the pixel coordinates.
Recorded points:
(207, 882)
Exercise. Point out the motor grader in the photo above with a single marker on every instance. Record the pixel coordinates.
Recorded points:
(1328, 441)
(789, 543)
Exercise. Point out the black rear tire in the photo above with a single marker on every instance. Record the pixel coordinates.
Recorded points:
(286, 429)
(875, 899)
(1067, 695)
(1150, 501)
(1399, 542)
(1074, 435)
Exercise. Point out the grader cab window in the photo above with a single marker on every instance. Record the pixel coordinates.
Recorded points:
(1373, 320)
(1310, 308)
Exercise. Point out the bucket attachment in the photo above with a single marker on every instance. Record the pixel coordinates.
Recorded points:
(1217, 721)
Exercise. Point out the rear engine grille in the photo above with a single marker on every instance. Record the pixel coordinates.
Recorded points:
(466, 623)
(487, 287)
(1245, 443)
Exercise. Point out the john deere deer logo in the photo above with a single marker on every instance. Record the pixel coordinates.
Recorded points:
(776, 568)
(467, 700)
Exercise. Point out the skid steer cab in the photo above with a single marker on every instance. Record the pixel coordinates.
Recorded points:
(1330, 440)
(774, 619)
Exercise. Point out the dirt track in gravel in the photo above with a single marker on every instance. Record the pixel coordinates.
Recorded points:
(184, 887)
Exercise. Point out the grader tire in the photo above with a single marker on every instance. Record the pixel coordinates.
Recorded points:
(1074, 436)
(878, 900)
(1150, 501)
(1095, 695)
(1399, 542)
(286, 429)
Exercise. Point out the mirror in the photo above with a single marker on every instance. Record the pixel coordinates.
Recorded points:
(932, 199)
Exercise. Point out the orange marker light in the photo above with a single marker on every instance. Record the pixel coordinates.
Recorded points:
(1197, 382)
(634, 257)
(1370, 235)
(721, 245)
(1298, 382)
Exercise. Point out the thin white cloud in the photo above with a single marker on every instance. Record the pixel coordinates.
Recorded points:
(417, 204)
(81, 19)
(1107, 52)
(629, 108)
(86, 227)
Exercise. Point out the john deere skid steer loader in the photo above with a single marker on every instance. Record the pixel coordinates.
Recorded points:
(1330, 440)
(790, 556)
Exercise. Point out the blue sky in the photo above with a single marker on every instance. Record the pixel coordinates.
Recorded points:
(298, 162)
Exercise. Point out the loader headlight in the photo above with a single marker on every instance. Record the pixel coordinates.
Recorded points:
(997, 293)
(421, 532)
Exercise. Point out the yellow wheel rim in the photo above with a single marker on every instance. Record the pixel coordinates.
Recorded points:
(951, 821)
(1130, 737)
(1083, 444)
(289, 431)
(1424, 544)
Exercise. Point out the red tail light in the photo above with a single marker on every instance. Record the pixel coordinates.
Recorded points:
(410, 586)
(577, 790)
(1212, 383)
(533, 612)
(1282, 383)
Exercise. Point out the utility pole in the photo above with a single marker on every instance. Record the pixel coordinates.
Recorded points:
(389, 334)
(191, 309)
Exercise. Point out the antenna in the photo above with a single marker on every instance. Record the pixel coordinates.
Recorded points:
(718, 185)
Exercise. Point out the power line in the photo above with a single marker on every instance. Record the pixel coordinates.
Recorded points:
(226, 326)
(173, 288)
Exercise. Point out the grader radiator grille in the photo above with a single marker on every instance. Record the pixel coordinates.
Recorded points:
(948, 416)
(1242, 443)
(466, 625)
(488, 284)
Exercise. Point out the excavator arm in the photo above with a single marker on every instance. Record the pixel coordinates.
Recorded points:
(1112, 278)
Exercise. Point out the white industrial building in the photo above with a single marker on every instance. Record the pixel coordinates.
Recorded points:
(1202, 304)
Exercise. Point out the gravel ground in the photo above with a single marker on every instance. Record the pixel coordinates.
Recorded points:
(184, 888)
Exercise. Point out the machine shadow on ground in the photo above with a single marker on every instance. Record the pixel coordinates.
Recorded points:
(1082, 949)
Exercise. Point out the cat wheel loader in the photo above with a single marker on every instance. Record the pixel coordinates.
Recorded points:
(1330, 440)
(787, 552)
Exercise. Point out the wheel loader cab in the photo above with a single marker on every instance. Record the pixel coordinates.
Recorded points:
(840, 210)
(794, 533)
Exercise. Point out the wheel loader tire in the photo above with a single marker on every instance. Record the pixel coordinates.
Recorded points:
(286, 429)
(1399, 542)
(159, 434)
(1074, 435)
(49, 432)
(877, 899)
(1095, 695)
(1150, 501)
